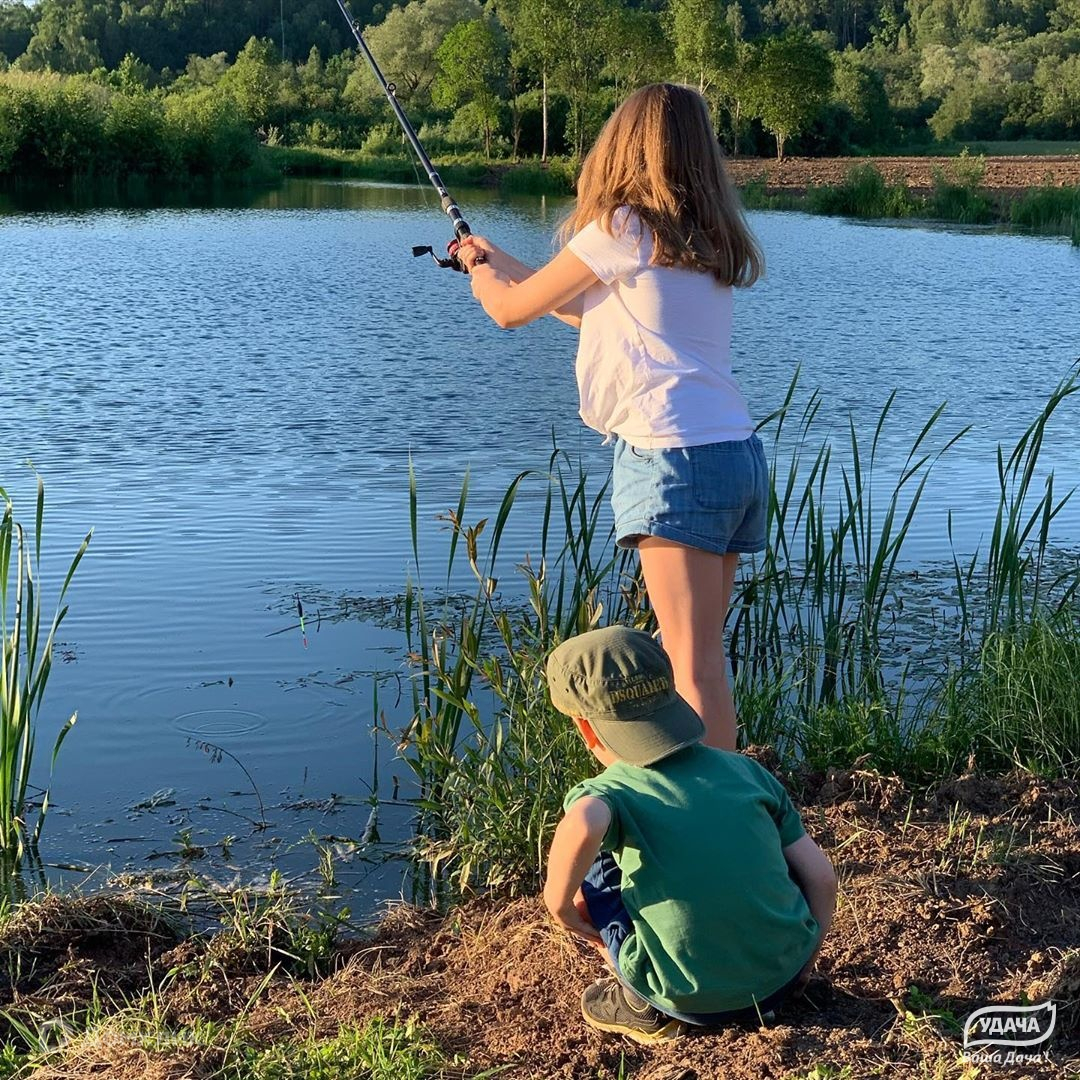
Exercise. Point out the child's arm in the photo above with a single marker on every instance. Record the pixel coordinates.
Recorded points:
(812, 870)
(574, 849)
(554, 288)
(505, 266)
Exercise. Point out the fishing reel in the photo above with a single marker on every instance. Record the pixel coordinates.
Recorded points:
(451, 262)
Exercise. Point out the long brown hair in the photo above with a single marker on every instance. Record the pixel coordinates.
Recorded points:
(658, 155)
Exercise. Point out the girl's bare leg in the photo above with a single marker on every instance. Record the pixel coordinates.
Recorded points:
(690, 590)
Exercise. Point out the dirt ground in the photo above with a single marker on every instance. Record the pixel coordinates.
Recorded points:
(1012, 174)
(950, 900)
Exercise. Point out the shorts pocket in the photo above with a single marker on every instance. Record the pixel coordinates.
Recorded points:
(725, 475)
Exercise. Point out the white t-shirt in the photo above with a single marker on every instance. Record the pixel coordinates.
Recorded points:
(654, 356)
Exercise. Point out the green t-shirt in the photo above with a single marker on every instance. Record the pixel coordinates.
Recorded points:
(718, 922)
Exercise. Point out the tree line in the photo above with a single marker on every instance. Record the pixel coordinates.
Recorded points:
(538, 77)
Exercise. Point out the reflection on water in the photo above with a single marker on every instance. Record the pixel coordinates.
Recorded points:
(230, 390)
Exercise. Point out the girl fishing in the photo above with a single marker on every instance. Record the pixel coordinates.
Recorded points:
(653, 248)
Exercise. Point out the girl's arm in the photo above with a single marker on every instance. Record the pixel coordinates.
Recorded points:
(574, 849)
(514, 294)
(815, 875)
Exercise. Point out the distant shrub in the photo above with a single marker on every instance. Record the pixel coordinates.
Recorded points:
(135, 134)
(208, 133)
(437, 140)
(320, 133)
(959, 200)
(558, 177)
(10, 128)
(383, 140)
(52, 123)
(79, 126)
(1045, 210)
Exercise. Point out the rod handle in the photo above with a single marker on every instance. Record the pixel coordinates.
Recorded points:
(454, 247)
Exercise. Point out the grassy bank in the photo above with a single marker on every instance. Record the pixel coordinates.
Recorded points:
(950, 898)
(529, 177)
(927, 726)
(956, 196)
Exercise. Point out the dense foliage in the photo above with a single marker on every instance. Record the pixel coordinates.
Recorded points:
(532, 76)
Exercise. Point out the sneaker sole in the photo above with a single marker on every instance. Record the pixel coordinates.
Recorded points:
(672, 1030)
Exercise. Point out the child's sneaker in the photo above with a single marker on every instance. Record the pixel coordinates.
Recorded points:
(608, 1007)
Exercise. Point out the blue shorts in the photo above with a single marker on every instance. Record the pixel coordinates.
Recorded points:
(602, 889)
(714, 497)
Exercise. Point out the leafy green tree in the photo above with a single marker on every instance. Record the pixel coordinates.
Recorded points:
(16, 28)
(638, 49)
(254, 81)
(1058, 79)
(66, 39)
(472, 63)
(733, 81)
(579, 31)
(532, 44)
(132, 75)
(204, 71)
(702, 40)
(861, 90)
(405, 43)
(791, 78)
(319, 89)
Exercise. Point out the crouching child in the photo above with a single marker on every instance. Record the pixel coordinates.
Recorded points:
(686, 866)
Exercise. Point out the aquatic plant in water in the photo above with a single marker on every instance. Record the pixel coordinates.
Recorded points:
(24, 674)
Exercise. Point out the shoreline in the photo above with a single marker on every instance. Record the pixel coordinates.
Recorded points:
(952, 898)
(1035, 195)
(1011, 174)
(1039, 195)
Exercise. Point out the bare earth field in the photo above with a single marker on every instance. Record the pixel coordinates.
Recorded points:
(795, 175)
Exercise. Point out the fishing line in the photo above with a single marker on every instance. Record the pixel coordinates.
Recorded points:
(446, 200)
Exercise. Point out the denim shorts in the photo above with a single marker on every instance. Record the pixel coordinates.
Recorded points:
(712, 497)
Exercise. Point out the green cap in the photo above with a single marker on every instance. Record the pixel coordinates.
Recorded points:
(620, 680)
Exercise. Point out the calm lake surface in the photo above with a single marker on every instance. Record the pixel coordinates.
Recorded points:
(231, 396)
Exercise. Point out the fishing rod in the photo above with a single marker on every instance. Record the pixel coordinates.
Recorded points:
(461, 226)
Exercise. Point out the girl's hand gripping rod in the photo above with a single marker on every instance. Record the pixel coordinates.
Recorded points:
(461, 226)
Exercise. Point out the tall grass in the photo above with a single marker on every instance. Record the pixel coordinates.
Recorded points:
(956, 196)
(837, 651)
(24, 674)
(806, 620)
(492, 758)
(864, 193)
(1050, 210)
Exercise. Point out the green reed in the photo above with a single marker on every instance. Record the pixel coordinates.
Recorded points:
(840, 652)
(24, 674)
(492, 779)
(864, 193)
(806, 617)
(1050, 210)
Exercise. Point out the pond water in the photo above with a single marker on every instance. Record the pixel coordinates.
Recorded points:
(231, 396)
